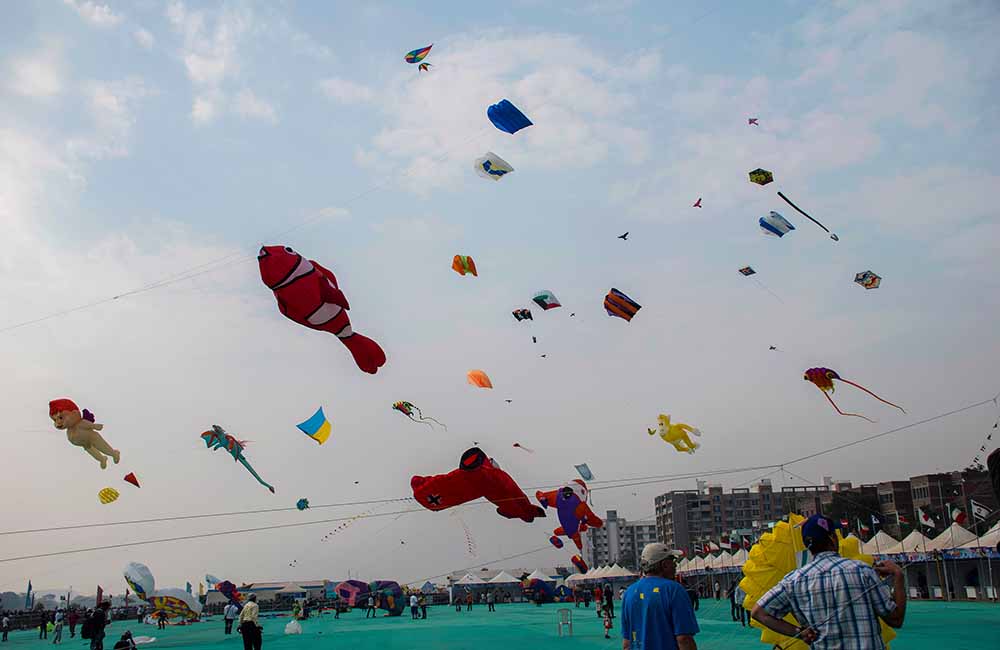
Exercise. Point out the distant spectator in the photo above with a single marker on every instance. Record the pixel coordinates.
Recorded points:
(126, 642)
(5, 626)
(72, 618)
(370, 610)
(58, 620)
(423, 606)
(229, 615)
(490, 600)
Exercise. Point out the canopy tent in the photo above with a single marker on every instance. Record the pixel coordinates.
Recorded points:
(740, 557)
(683, 564)
(878, 544)
(503, 578)
(469, 579)
(601, 572)
(697, 564)
(989, 539)
(722, 561)
(537, 573)
(291, 589)
(952, 537)
(618, 572)
(913, 542)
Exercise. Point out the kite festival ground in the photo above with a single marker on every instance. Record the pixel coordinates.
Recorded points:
(929, 626)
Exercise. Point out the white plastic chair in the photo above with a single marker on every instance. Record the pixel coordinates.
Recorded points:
(565, 618)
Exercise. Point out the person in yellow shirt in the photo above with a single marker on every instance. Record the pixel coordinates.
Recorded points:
(250, 624)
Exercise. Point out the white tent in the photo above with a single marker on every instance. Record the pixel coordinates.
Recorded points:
(537, 573)
(723, 560)
(952, 537)
(619, 572)
(913, 542)
(740, 557)
(989, 539)
(697, 564)
(291, 589)
(878, 544)
(503, 578)
(470, 579)
(683, 564)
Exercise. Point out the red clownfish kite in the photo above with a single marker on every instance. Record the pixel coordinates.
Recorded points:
(308, 294)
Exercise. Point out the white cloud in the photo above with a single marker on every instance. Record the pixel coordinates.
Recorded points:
(37, 75)
(204, 109)
(144, 38)
(250, 106)
(97, 14)
(111, 105)
(345, 91)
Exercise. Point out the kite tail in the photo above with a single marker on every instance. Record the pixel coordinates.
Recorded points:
(435, 422)
(256, 475)
(837, 409)
(884, 401)
(803, 213)
(420, 421)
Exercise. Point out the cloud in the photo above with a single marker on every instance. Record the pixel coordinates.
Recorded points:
(37, 75)
(250, 106)
(203, 109)
(344, 91)
(144, 38)
(111, 106)
(96, 14)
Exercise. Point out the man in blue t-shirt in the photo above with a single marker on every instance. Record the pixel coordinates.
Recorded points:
(656, 611)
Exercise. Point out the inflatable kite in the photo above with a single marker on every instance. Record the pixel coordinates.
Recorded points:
(228, 589)
(580, 565)
(575, 516)
(833, 236)
(353, 592)
(584, 472)
(479, 378)
(108, 495)
(173, 602)
(308, 294)
(778, 553)
(775, 225)
(317, 427)
(217, 438)
(522, 314)
(419, 54)
(388, 596)
(675, 434)
(81, 430)
(537, 590)
(492, 166)
(302, 504)
(546, 300)
(130, 478)
(463, 264)
(823, 378)
(618, 304)
(868, 280)
(477, 476)
(409, 409)
(761, 176)
(507, 117)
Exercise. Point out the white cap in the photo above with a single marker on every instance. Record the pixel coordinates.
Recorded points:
(653, 554)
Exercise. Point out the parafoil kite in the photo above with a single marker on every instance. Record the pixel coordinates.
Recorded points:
(409, 409)
(747, 270)
(139, 579)
(618, 304)
(108, 495)
(302, 504)
(833, 236)
(774, 556)
(388, 596)
(675, 434)
(761, 176)
(477, 476)
(353, 592)
(130, 478)
(173, 602)
(868, 280)
(823, 379)
(584, 471)
(316, 427)
(229, 590)
(479, 378)
(775, 225)
(307, 293)
(463, 264)
(575, 516)
(217, 438)
(419, 54)
(81, 430)
(546, 300)
(492, 166)
(507, 117)
(522, 314)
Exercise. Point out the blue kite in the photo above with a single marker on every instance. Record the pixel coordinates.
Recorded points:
(507, 117)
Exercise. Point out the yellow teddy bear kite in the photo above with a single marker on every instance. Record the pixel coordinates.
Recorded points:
(676, 434)
(81, 430)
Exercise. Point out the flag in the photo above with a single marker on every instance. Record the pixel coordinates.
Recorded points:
(746, 543)
(712, 546)
(100, 595)
(734, 544)
(845, 524)
(876, 523)
(979, 511)
(902, 519)
(958, 515)
(863, 527)
(924, 518)
(27, 597)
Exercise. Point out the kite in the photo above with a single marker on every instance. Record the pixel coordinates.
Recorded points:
(585, 472)
(470, 541)
(479, 378)
(833, 236)
(317, 427)
(752, 121)
(229, 590)
(408, 409)
(130, 478)
(463, 264)
(211, 580)
(618, 304)
(546, 300)
(868, 280)
(779, 552)
(522, 314)
(424, 67)
(143, 640)
(537, 590)
(302, 504)
(675, 434)
(492, 166)
(419, 54)
(697, 204)
(624, 237)
(173, 602)
(477, 476)
(108, 495)
(747, 271)
(575, 516)
(580, 565)
(823, 379)
(353, 592)
(775, 225)
(507, 117)
(82, 430)
(217, 438)
(388, 596)
(308, 294)
(761, 176)
(520, 446)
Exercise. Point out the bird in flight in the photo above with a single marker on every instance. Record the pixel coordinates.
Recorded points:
(508, 400)
(624, 237)
(752, 121)
(697, 204)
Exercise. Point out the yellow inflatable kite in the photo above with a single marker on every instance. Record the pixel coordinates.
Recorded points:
(778, 553)
(676, 434)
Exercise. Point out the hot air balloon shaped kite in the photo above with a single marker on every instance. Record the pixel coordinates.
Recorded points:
(823, 379)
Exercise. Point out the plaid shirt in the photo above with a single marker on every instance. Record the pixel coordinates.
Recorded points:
(840, 598)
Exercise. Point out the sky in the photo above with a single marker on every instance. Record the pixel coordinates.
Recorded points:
(147, 150)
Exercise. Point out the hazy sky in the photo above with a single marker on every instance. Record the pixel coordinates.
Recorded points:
(141, 140)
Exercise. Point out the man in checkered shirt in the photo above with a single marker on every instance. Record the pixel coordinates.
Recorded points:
(839, 601)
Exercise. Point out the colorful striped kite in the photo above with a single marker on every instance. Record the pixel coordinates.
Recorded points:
(418, 55)
(618, 304)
